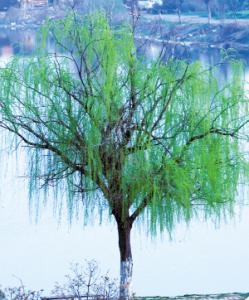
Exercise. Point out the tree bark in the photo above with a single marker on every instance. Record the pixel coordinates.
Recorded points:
(126, 263)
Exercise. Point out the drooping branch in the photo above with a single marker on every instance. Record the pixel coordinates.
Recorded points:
(218, 131)
(107, 115)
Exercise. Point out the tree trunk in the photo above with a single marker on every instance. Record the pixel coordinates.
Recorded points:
(179, 15)
(209, 12)
(179, 10)
(222, 12)
(126, 263)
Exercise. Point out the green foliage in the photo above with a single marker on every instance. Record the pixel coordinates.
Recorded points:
(158, 141)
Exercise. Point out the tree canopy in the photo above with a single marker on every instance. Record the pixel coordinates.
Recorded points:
(154, 141)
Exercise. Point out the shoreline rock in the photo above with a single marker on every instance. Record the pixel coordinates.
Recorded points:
(224, 296)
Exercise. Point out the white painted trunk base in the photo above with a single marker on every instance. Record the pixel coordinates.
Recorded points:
(126, 279)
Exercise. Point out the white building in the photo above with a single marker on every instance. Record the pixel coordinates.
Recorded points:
(25, 3)
(147, 4)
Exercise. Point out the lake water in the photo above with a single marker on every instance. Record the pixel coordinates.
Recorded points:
(201, 259)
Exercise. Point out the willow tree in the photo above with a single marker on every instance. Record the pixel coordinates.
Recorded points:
(153, 142)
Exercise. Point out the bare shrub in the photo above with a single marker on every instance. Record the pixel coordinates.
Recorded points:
(86, 280)
(82, 281)
(21, 293)
(2, 294)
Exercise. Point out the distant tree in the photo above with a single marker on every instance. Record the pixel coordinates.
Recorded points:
(221, 6)
(179, 9)
(170, 5)
(21, 293)
(173, 6)
(151, 142)
(246, 4)
(131, 3)
(6, 4)
(232, 7)
(209, 9)
(235, 6)
(2, 295)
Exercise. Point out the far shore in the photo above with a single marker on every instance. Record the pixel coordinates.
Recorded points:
(194, 19)
(193, 31)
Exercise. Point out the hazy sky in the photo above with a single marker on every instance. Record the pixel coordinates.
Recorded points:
(200, 259)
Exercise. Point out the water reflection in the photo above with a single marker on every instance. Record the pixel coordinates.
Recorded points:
(13, 42)
(17, 41)
(209, 56)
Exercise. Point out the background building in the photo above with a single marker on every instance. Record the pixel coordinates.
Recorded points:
(34, 2)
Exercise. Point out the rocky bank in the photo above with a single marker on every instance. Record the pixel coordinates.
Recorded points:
(229, 296)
